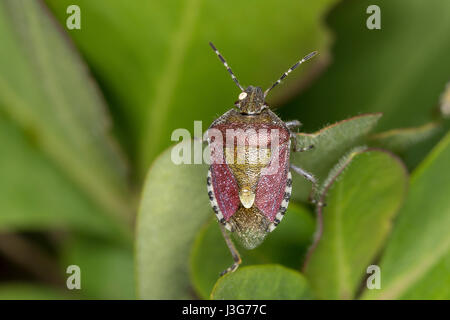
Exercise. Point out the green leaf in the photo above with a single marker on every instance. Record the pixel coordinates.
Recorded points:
(381, 70)
(434, 285)
(34, 195)
(160, 73)
(416, 262)
(26, 291)
(263, 282)
(411, 144)
(330, 144)
(400, 140)
(362, 194)
(287, 245)
(174, 206)
(107, 270)
(46, 90)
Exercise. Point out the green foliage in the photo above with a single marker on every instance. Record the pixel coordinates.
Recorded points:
(399, 70)
(411, 144)
(69, 191)
(174, 207)
(401, 140)
(24, 169)
(45, 90)
(415, 263)
(263, 282)
(60, 167)
(107, 270)
(362, 195)
(330, 144)
(25, 291)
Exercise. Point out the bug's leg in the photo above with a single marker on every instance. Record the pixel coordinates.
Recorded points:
(296, 148)
(292, 125)
(308, 176)
(233, 250)
(301, 149)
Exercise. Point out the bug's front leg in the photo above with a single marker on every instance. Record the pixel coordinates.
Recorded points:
(292, 125)
(233, 250)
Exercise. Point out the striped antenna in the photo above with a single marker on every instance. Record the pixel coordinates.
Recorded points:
(226, 66)
(307, 57)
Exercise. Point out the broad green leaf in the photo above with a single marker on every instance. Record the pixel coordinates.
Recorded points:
(415, 263)
(411, 144)
(330, 144)
(399, 70)
(34, 195)
(107, 270)
(154, 62)
(362, 195)
(287, 245)
(26, 291)
(434, 285)
(173, 208)
(400, 140)
(46, 90)
(263, 282)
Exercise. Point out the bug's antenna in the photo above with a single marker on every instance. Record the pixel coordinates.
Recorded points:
(307, 57)
(226, 66)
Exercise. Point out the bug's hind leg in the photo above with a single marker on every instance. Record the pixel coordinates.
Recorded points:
(233, 250)
(297, 149)
(292, 125)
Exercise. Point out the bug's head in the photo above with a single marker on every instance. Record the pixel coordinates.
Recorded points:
(251, 100)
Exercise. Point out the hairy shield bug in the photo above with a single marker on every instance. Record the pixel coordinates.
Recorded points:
(249, 182)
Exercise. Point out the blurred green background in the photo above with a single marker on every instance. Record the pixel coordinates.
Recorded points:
(85, 113)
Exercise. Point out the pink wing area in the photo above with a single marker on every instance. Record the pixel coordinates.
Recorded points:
(226, 189)
(271, 186)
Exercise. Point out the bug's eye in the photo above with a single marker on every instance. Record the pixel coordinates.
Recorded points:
(236, 103)
(243, 95)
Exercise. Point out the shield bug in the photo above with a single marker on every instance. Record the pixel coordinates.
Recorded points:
(249, 182)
